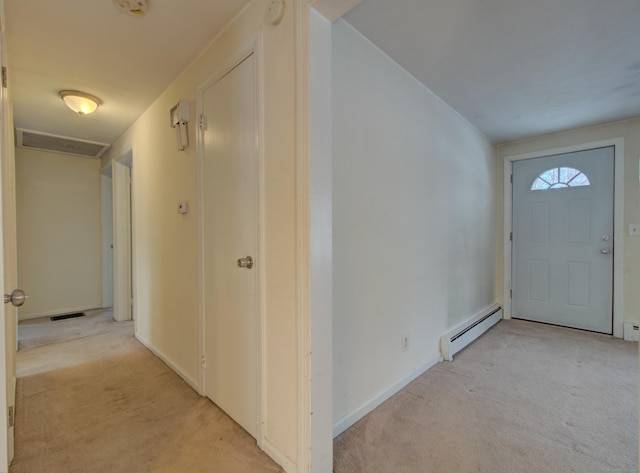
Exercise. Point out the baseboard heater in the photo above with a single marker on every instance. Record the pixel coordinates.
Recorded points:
(455, 340)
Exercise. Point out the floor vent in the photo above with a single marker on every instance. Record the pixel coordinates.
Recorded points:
(59, 144)
(66, 316)
(454, 341)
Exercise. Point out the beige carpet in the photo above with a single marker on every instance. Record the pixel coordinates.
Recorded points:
(105, 404)
(525, 397)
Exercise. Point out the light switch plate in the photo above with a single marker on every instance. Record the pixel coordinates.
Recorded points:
(634, 229)
(183, 207)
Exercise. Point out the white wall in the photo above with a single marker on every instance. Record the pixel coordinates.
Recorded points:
(166, 257)
(414, 194)
(630, 131)
(59, 235)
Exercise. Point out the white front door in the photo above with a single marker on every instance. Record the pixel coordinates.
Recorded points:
(563, 240)
(230, 239)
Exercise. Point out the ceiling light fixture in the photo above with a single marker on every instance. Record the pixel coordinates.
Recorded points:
(80, 102)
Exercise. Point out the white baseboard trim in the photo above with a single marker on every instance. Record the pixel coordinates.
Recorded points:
(350, 419)
(278, 457)
(167, 361)
(57, 312)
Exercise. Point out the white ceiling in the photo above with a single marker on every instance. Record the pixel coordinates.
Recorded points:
(513, 68)
(89, 45)
(516, 68)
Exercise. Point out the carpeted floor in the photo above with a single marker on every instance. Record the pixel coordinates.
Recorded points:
(103, 403)
(524, 398)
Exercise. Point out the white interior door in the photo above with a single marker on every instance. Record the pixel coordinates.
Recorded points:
(9, 281)
(8, 275)
(106, 205)
(230, 236)
(563, 239)
(7, 370)
(122, 280)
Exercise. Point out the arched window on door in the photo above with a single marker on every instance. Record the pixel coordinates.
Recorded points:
(558, 178)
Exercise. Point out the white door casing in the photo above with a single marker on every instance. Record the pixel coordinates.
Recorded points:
(230, 226)
(563, 240)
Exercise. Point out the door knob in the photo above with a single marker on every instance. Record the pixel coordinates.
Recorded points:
(245, 262)
(17, 297)
(605, 251)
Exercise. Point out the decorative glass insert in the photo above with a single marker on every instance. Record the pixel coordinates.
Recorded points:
(557, 178)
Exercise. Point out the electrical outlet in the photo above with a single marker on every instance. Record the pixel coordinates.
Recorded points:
(405, 342)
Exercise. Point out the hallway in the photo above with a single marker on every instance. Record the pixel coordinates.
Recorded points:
(91, 398)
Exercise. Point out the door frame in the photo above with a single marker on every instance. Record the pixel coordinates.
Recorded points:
(123, 238)
(618, 221)
(252, 46)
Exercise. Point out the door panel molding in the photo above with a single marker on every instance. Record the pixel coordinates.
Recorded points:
(618, 225)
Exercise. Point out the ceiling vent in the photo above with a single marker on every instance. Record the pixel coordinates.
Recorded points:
(59, 144)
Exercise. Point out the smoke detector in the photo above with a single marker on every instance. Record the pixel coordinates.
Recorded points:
(135, 8)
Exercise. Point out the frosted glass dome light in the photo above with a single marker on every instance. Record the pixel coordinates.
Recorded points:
(80, 102)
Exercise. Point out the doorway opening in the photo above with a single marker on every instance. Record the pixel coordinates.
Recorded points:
(123, 252)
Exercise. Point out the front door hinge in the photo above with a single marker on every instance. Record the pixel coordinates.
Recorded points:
(11, 416)
(4, 77)
(511, 179)
(203, 122)
(510, 293)
(203, 362)
(510, 236)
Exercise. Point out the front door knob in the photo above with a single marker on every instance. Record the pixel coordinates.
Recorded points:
(245, 262)
(17, 297)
